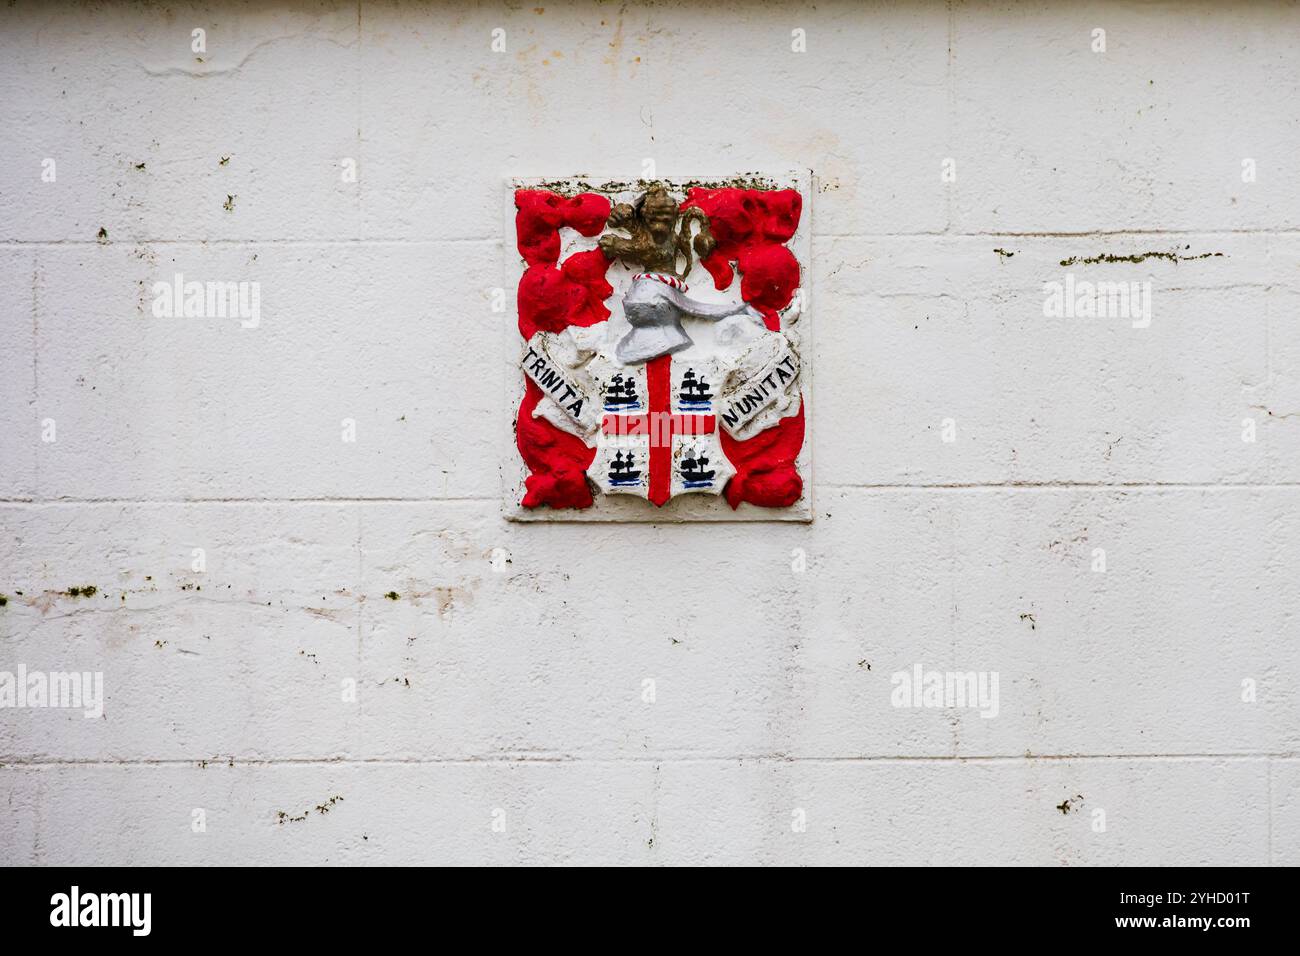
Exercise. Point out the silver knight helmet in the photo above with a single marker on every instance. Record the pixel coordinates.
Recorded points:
(655, 306)
(659, 237)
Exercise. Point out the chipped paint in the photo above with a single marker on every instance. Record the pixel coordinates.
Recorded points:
(1138, 257)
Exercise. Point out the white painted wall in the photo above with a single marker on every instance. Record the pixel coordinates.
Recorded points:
(521, 691)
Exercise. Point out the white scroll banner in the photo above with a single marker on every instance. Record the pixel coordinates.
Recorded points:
(556, 380)
(741, 405)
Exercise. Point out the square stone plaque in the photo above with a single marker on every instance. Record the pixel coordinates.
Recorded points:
(658, 350)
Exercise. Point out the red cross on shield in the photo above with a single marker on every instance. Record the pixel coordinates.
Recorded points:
(660, 424)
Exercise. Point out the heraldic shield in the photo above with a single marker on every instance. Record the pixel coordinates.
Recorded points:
(645, 397)
(670, 445)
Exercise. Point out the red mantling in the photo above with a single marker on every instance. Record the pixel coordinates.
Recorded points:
(751, 227)
(551, 298)
(542, 213)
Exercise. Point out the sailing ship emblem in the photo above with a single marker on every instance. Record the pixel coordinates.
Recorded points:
(620, 394)
(623, 472)
(694, 469)
(694, 393)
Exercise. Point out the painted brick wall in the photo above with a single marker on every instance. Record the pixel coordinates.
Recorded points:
(505, 683)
